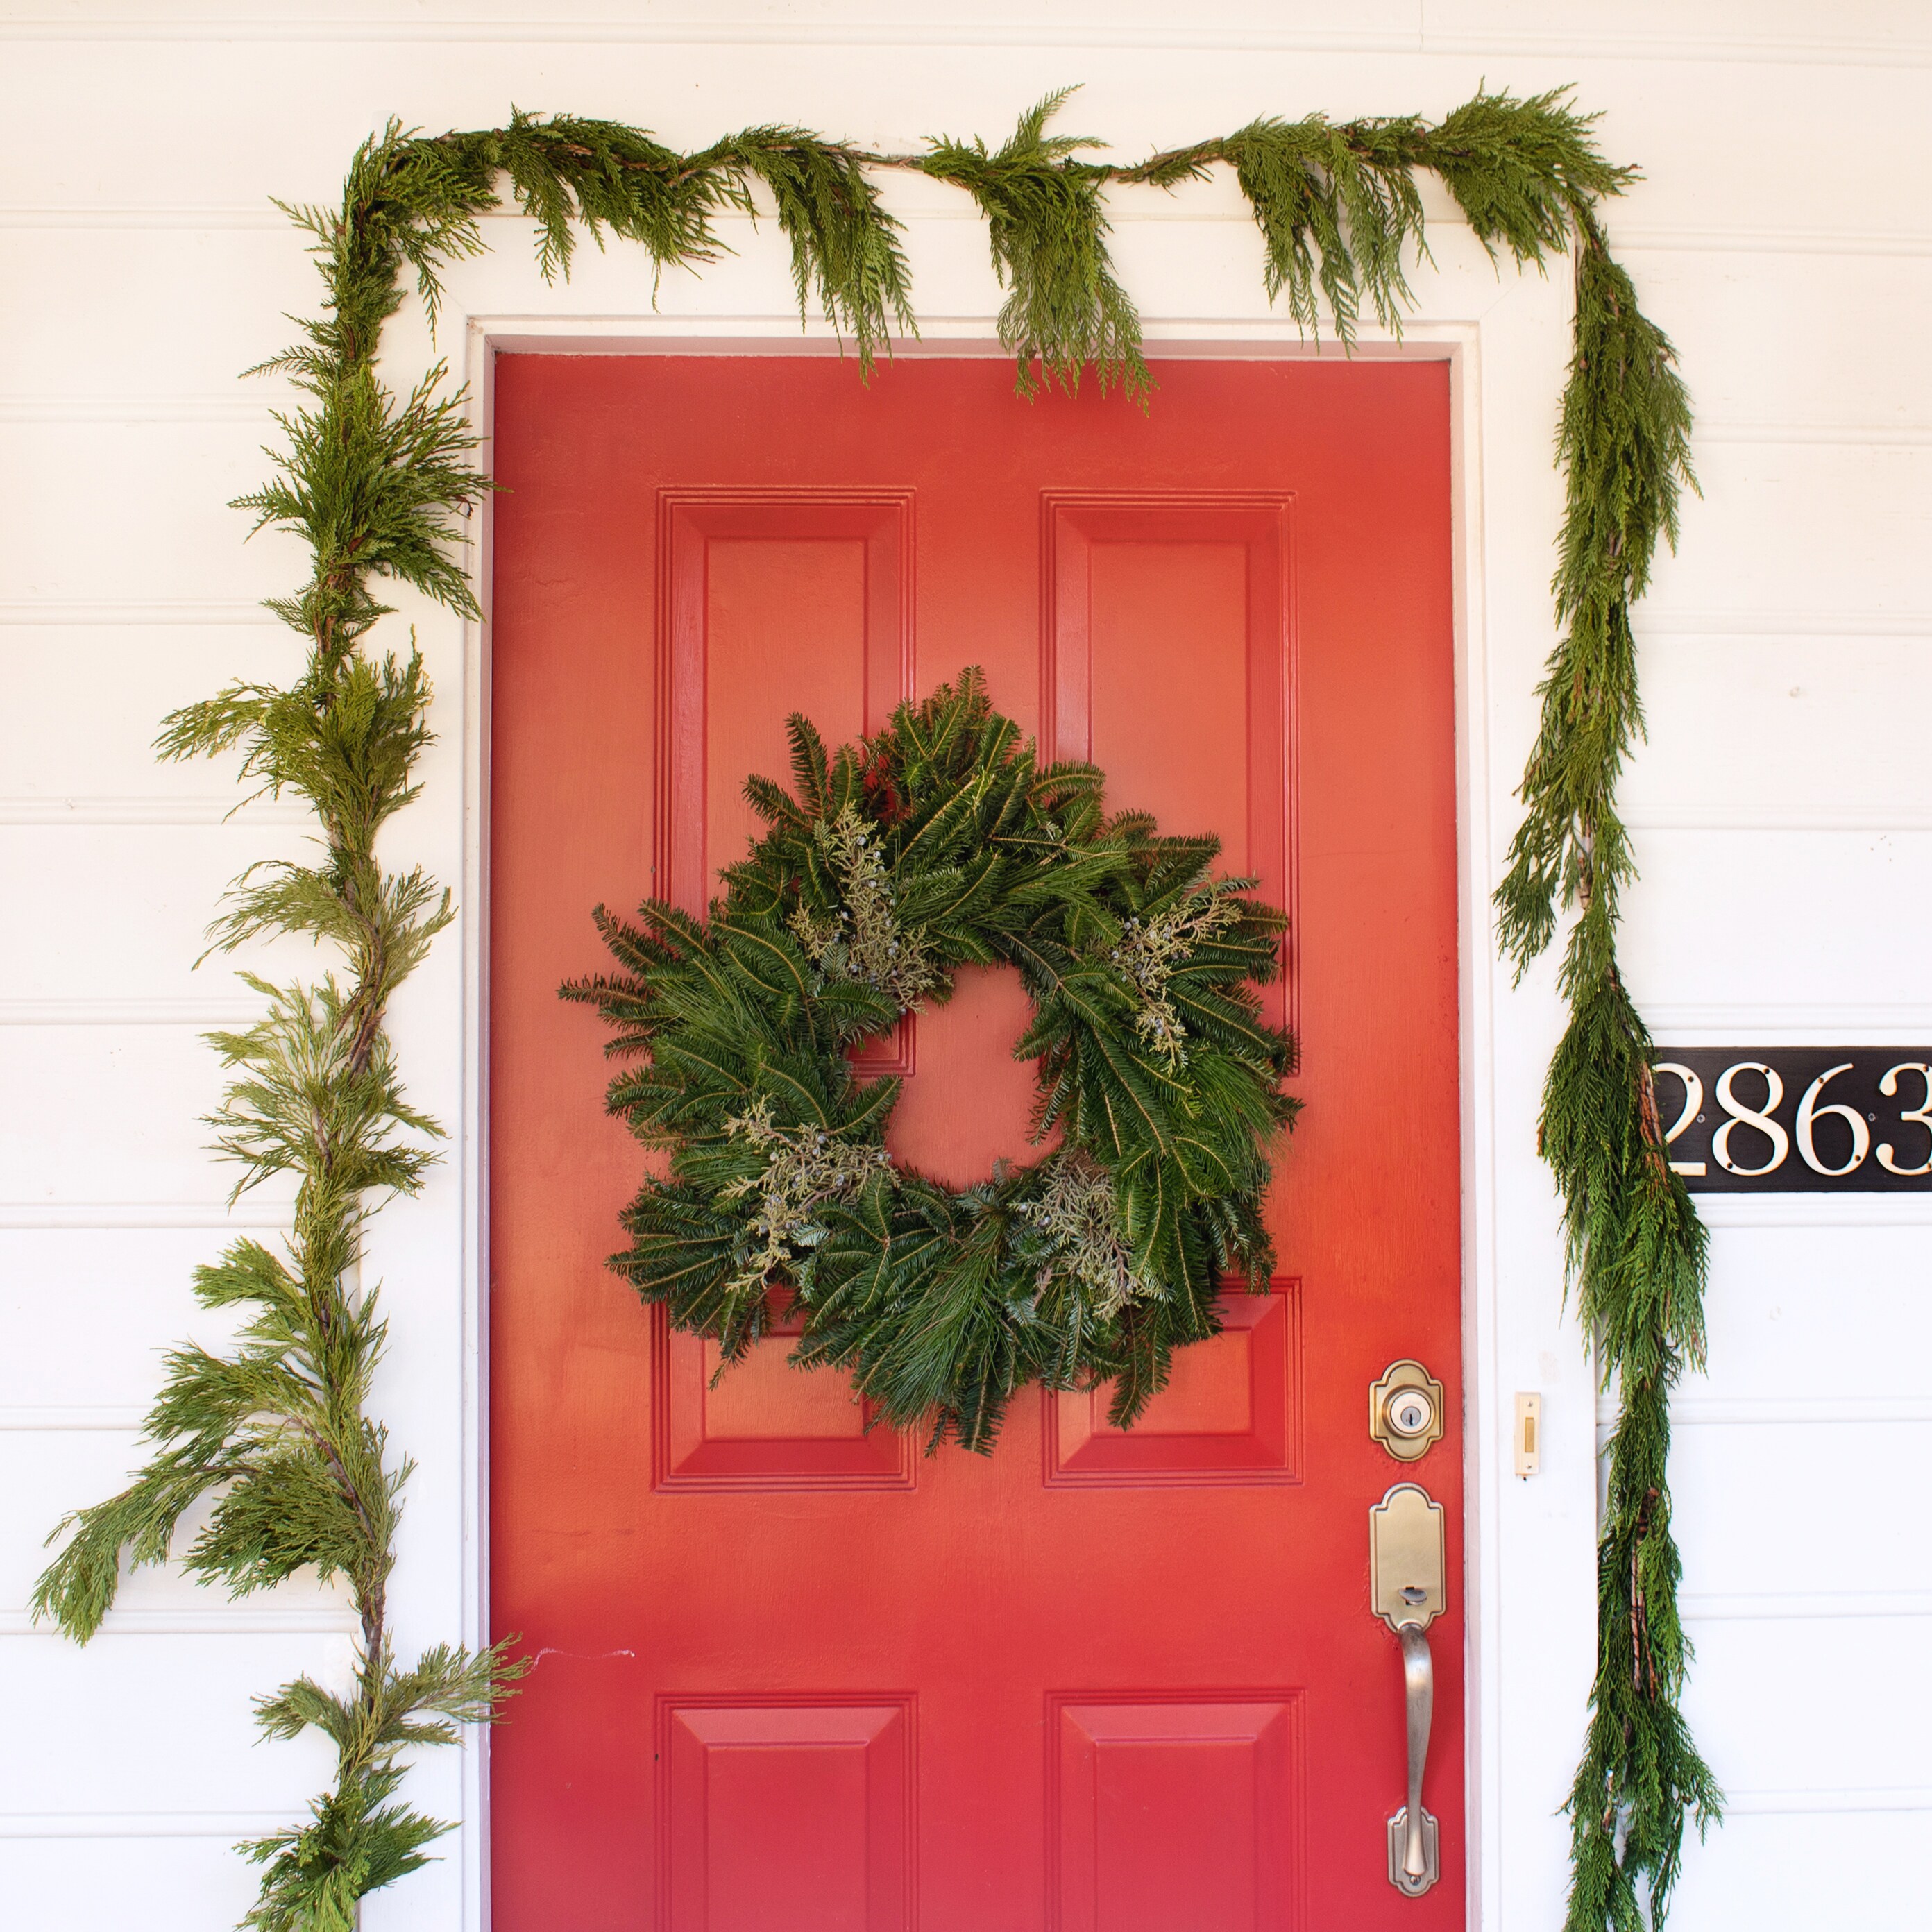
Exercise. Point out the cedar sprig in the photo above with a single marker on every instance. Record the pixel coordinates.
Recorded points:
(1641, 1779)
(1065, 308)
(847, 250)
(355, 1841)
(568, 171)
(372, 484)
(1337, 207)
(1524, 172)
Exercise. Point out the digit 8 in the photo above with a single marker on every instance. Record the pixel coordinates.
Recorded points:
(1743, 1116)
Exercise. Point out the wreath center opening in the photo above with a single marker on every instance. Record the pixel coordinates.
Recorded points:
(968, 1103)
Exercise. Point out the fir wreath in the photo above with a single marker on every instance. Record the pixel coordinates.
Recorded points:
(942, 842)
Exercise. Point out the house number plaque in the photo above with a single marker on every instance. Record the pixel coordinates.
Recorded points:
(1798, 1120)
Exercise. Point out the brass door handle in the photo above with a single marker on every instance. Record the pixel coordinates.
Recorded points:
(1419, 1866)
(1407, 1568)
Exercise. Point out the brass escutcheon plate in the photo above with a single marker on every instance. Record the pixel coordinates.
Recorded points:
(1408, 1558)
(1406, 1411)
(1432, 1856)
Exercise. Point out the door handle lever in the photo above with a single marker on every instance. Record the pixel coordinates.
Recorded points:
(1419, 1866)
(1407, 1564)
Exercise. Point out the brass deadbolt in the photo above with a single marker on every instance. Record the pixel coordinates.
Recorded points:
(1406, 1411)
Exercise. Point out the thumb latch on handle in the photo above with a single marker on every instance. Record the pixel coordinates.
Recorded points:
(1407, 1563)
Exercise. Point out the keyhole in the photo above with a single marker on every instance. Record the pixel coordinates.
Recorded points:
(1412, 1413)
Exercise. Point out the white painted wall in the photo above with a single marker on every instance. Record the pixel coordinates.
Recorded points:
(1784, 808)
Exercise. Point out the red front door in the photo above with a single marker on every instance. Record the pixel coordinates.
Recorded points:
(794, 1677)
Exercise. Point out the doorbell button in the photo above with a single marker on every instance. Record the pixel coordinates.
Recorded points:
(1406, 1411)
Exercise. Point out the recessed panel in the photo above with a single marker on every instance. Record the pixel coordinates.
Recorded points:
(1168, 661)
(1174, 1812)
(1230, 1413)
(784, 631)
(1173, 617)
(792, 1816)
(771, 602)
(763, 1424)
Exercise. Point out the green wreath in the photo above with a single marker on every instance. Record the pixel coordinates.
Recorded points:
(939, 843)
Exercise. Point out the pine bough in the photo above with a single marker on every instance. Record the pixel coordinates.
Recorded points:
(270, 1441)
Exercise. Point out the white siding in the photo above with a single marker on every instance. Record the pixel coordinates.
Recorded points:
(1783, 805)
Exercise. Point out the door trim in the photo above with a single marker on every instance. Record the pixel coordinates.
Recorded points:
(1528, 1557)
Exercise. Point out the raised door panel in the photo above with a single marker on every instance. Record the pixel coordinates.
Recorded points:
(764, 1424)
(1230, 1413)
(770, 602)
(794, 1815)
(1175, 1811)
(1188, 595)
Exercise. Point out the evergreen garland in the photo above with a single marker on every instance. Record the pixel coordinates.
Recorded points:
(275, 1433)
(1636, 1249)
(942, 843)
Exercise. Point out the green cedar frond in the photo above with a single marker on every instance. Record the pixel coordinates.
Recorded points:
(568, 171)
(1624, 439)
(77, 1589)
(1048, 231)
(845, 246)
(354, 1844)
(1522, 172)
(317, 1098)
(372, 484)
(1624, 445)
(1336, 207)
(287, 1511)
(1641, 1778)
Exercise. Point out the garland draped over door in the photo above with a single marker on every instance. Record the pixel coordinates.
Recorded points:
(276, 1433)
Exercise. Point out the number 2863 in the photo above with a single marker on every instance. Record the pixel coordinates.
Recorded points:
(1814, 1118)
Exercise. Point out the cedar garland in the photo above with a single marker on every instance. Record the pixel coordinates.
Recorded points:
(275, 1431)
(1636, 1249)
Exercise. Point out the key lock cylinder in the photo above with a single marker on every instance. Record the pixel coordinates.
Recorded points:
(1408, 1571)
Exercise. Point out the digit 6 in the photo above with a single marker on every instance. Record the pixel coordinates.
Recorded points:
(1808, 1111)
(1743, 1116)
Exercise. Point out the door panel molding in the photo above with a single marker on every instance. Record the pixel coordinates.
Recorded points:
(698, 1442)
(793, 1810)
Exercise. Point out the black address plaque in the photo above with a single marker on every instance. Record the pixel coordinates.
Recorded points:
(1798, 1120)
